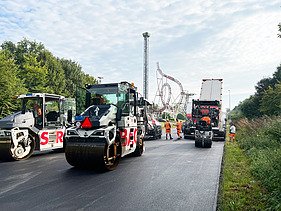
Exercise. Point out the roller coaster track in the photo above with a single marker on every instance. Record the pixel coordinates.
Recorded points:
(166, 102)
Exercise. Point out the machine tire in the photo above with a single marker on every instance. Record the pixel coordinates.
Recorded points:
(92, 155)
(140, 148)
(7, 155)
(155, 137)
(198, 144)
(111, 166)
(208, 145)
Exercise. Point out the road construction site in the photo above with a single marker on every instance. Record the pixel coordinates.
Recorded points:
(171, 175)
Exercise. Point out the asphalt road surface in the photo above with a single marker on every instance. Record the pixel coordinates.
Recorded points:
(171, 175)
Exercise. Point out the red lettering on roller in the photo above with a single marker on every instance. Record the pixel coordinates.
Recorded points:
(44, 138)
(59, 137)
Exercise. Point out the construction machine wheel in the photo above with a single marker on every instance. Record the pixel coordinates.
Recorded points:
(208, 145)
(98, 155)
(9, 152)
(140, 148)
(198, 143)
(112, 155)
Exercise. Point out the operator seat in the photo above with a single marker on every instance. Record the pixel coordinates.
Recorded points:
(52, 116)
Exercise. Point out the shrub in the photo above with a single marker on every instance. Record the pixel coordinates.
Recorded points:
(261, 141)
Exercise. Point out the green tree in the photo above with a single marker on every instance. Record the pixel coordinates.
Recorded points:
(263, 85)
(181, 116)
(250, 107)
(10, 47)
(271, 101)
(277, 75)
(75, 77)
(23, 48)
(88, 79)
(279, 25)
(40, 71)
(166, 115)
(236, 113)
(55, 75)
(267, 98)
(34, 75)
(10, 84)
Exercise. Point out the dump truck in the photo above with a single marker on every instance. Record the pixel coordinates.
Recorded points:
(39, 126)
(209, 104)
(112, 126)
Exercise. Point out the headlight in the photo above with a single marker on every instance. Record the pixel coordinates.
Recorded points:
(98, 133)
(7, 133)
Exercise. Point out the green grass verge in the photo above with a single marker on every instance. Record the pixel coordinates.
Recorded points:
(238, 188)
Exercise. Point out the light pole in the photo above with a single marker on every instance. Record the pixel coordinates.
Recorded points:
(229, 99)
(146, 36)
(228, 113)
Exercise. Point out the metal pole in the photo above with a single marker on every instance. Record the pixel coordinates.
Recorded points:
(145, 65)
(229, 99)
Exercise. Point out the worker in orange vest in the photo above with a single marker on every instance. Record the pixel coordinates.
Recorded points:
(207, 119)
(178, 126)
(168, 129)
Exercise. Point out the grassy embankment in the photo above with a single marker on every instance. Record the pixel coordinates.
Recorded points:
(252, 167)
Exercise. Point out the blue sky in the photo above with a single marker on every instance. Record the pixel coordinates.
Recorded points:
(234, 40)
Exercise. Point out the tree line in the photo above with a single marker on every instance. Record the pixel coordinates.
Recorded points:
(265, 101)
(28, 67)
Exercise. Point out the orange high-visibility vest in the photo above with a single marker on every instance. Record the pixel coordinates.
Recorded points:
(178, 125)
(206, 119)
(167, 127)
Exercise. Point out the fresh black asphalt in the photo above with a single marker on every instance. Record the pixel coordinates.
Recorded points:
(171, 175)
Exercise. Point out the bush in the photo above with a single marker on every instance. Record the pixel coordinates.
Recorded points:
(266, 166)
(261, 141)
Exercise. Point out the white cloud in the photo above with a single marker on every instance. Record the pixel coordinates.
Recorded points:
(235, 40)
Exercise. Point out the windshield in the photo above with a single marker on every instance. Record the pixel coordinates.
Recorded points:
(103, 95)
(35, 106)
(31, 104)
(118, 94)
(115, 94)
